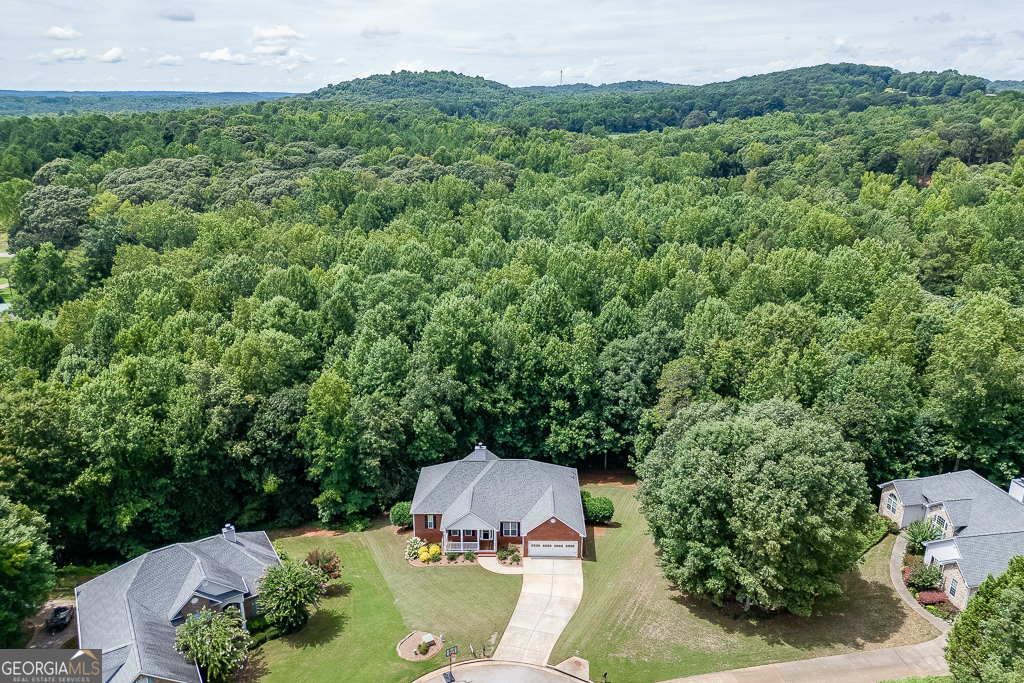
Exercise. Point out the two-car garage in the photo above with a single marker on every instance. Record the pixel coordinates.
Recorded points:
(553, 548)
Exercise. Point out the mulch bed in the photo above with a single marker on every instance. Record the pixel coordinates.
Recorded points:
(304, 532)
(407, 648)
(621, 477)
(443, 563)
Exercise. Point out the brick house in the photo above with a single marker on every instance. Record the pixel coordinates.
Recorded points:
(982, 525)
(131, 612)
(482, 502)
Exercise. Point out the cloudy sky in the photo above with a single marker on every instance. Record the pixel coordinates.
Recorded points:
(300, 45)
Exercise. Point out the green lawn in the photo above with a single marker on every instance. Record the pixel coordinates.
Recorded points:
(379, 599)
(634, 625)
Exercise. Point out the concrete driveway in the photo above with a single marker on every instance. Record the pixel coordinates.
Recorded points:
(493, 671)
(552, 590)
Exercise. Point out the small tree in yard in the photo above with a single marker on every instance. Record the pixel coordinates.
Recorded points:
(400, 514)
(326, 561)
(216, 641)
(920, 532)
(287, 591)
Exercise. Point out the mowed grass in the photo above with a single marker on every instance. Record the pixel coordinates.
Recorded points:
(377, 602)
(633, 624)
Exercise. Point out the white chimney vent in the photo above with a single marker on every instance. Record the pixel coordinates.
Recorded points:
(1016, 490)
(229, 533)
(480, 452)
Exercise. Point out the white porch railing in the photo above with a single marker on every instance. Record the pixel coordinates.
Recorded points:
(461, 547)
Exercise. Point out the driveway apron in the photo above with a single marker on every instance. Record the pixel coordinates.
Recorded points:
(552, 590)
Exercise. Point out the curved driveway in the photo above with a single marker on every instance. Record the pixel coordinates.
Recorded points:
(552, 590)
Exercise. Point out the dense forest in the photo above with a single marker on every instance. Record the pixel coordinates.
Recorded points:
(276, 312)
(636, 106)
(27, 102)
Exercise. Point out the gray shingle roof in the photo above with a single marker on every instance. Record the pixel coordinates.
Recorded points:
(128, 612)
(497, 490)
(988, 554)
(988, 523)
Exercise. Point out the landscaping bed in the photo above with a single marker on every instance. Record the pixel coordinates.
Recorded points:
(923, 583)
(410, 650)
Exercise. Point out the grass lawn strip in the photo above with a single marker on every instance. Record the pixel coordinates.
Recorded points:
(377, 602)
(634, 625)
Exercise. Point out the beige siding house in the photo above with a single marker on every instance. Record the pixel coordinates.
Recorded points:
(982, 525)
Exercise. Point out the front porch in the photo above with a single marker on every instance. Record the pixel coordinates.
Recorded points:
(469, 541)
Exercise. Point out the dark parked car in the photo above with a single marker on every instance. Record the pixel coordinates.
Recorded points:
(59, 618)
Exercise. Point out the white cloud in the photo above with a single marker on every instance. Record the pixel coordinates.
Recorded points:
(224, 55)
(114, 54)
(289, 61)
(339, 60)
(1008, 62)
(841, 47)
(177, 14)
(972, 38)
(939, 17)
(276, 40)
(416, 66)
(62, 33)
(59, 56)
(165, 60)
(376, 32)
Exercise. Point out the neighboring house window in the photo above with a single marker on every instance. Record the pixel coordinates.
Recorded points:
(890, 504)
(940, 522)
(510, 528)
(485, 535)
(454, 533)
(952, 587)
(430, 521)
(468, 533)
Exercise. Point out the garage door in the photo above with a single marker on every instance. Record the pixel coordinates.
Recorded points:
(553, 548)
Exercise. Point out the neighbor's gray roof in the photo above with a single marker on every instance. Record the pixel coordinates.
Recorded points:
(988, 524)
(987, 554)
(497, 490)
(128, 612)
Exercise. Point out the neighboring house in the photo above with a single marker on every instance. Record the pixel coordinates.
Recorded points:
(482, 502)
(982, 525)
(130, 613)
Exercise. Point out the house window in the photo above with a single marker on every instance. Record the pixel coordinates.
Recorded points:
(454, 533)
(952, 588)
(940, 522)
(430, 522)
(510, 528)
(468, 533)
(485, 534)
(890, 503)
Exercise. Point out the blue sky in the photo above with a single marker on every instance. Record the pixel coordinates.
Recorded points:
(300, 45)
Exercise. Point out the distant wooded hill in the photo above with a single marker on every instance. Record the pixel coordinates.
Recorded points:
(28, 102)
(652, 105)
(997, 86)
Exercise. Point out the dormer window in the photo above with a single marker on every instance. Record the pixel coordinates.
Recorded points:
(941, 522)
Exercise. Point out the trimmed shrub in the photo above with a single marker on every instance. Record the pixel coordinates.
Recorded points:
(400, 515)
(599, 509)
(452, 557)
(424, 555)
(932, 597)
(257, 624)
(435, 549)
(435, 557)
(502, 555)
(471, 557)
(422, 648)
(272, 633)
(515, 558)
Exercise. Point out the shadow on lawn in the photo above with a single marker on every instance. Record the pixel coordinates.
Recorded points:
(340, 589)
(254, 669)
(865, 615)
(324, 626)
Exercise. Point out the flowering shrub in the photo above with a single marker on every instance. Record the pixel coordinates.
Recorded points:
(932, 597)
(435, 549)
(216, 641)
(327, 561)
(413, 546)
(287, 591)
(424, 555)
